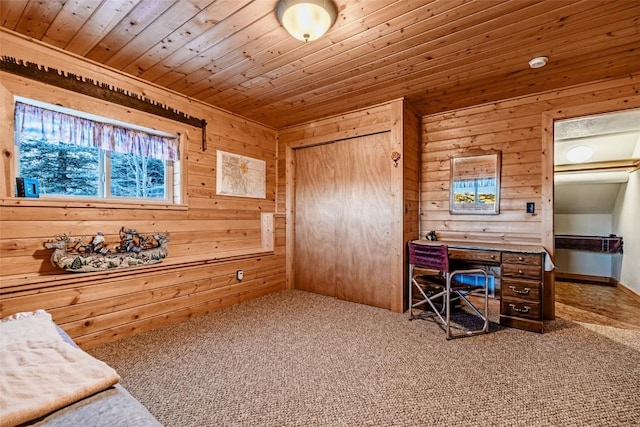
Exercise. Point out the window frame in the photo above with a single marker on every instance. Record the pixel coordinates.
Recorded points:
(175, 193)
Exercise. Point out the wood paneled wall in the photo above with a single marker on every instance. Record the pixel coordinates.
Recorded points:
(211, 236)
(395, 117)
(518, 128)
(522, 128)
(411, 181)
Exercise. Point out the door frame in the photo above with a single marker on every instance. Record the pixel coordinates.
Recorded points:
(548, 227)
(386, 117)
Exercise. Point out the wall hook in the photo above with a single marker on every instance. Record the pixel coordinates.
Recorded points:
(395, 156)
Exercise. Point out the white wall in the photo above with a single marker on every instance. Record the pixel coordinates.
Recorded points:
(626, 223)
(581, 262)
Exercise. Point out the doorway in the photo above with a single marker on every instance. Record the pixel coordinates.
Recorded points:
(596, 194)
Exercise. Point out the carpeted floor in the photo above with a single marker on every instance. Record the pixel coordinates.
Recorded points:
(299, 359)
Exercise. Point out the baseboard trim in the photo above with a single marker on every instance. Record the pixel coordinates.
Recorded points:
(629, 292)
(584, 278)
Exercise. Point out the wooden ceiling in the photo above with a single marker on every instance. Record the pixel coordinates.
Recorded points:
(439, 54)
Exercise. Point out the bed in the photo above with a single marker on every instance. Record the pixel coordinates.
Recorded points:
(46, 380)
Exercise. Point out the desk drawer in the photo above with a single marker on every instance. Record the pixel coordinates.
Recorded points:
(520, 308)
(520, 258)
(522, 289)
(521, 271)
(474, 255)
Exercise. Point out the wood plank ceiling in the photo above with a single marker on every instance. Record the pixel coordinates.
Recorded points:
(439, 54)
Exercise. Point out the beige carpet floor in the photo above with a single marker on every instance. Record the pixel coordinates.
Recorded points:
(299, 359)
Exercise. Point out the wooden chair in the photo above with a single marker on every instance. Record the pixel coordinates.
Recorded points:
(438, 287)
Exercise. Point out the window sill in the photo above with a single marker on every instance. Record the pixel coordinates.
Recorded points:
(89, 203)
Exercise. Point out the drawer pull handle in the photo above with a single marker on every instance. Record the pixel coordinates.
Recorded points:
(520, 258)
(520, 272)
(517, 291)
(525, 309)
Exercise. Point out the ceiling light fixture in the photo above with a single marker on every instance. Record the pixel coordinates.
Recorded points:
(538, 62)
(306, 20)
(579, 154)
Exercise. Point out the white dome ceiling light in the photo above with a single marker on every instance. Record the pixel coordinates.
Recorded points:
(306, 20)
(538, 62)
(579, 154)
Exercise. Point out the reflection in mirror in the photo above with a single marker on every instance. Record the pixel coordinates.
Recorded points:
(475, 184)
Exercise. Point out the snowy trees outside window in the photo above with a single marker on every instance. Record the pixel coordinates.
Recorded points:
(137, 176)
(73, 156)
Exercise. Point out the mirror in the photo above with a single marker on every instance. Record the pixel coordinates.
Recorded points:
(475, 184)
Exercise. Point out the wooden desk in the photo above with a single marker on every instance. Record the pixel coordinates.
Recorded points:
(521, 277)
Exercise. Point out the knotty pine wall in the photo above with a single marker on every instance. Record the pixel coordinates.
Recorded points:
(211, 236)
(411, 182)
(396, 117)
(522, 128)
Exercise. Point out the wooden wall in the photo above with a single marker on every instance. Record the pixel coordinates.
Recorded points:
(522, 128)
(211, 236)
(348, 125)
(402, 123)
(411, 179)
(517, 127)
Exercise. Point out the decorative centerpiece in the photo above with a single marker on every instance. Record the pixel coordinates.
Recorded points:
(77, 255)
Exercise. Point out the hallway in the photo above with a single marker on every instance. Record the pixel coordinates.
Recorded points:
(597, 304)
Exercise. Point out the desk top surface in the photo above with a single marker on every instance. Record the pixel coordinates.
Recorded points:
(502, 247)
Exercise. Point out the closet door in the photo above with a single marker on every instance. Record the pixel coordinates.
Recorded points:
(343, 220)
(363, 262)
(315, 225)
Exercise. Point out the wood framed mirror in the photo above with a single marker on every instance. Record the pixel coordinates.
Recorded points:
(475, 184)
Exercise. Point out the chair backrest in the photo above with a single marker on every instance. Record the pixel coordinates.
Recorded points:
(433, 257)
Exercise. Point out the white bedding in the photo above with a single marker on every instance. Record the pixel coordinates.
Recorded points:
(40, 373)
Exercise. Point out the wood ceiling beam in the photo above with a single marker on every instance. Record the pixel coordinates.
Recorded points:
(629, 165)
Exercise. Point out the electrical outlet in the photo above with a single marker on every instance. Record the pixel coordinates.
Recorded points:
(239, 274)
(531, 207)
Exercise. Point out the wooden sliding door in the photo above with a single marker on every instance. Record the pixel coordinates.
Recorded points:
(343, 218)
(316, 203)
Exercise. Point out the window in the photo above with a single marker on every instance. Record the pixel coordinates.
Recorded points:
(73, 154)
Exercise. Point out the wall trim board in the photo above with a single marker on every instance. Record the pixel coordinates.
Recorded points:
(597, 280)
(398, 244)
(629, 291)
(290, 203)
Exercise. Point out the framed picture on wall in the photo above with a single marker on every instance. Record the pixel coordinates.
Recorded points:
(475, 184)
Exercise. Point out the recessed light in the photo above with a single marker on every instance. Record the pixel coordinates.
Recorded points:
(538, 62)
(579, 154)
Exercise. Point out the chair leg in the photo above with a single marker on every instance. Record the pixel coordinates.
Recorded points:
(484, 316)
(410, 292)
(426, 299)
(448, 308)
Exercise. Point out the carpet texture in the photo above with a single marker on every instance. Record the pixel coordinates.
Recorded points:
(299, 359)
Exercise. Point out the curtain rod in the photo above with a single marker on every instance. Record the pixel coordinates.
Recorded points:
(95, 89)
